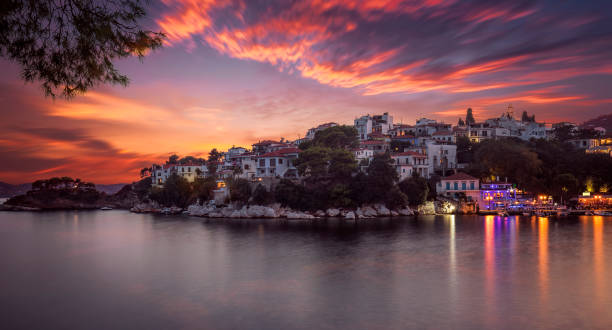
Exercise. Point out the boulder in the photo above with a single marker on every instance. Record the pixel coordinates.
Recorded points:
(382, 210)
(269, 213)
(359, 213)
(236, 214)
(299, 215)
(227, 212)
(333, 212)
(394, 213)
(256, 211)
(215, 214)
(369, 212)
(427, 208)
(405, 211)
(244, 212)
(319, 214)
(350, 215)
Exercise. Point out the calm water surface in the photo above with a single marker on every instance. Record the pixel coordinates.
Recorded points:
(103, 270)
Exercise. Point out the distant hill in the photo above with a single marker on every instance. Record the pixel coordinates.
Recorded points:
(604, 121)
(110, 189)
(8, 190)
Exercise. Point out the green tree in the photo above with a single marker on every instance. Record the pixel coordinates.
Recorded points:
(261, 195)
(313, 162)
(461, 122)
(173, 159)
(176, 192)
(69, 46)
(337, 137)
(415, 188)
(565, 185)
(240, 190)
(213, 158)
(287, 193)
(469, 117)
(382, 176)
(203, 187)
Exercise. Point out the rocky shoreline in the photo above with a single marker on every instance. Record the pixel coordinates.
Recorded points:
(277, 211)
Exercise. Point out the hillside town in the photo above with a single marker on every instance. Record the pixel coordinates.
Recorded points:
(427, 149)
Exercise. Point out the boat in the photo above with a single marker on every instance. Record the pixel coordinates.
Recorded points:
(601, 212)
(527, 214)
(503, 214)
(106, 208)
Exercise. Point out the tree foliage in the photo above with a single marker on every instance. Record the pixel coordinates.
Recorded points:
(415, 188)
(469, 117)
(69, 46)
(337, 137)
(177, 191)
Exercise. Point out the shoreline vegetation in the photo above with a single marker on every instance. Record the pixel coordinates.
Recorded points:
(332, 183)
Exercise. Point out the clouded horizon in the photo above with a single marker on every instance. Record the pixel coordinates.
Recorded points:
(235, 72)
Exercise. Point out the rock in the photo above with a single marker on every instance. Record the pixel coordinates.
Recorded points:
(299, 215)
(269, 213)
(359, 213)
(382, 210)
(350, 215)
(320, 213)
(369, 212)
(394, 213)
(427, 208)
(236, 214)
(227, 212)
(332, 212)
(405, 211)
(256, 211)
(215, 215)
(244, 212)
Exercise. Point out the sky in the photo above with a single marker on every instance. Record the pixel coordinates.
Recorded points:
(236, 72)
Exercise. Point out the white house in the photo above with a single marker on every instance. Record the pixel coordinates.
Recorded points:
(189, 171)
(278, 163)
(458, 184)
(409, 162)
(362, 153)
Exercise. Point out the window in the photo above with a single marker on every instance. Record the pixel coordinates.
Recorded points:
(448, 186)
(246, 166)
(262, 163)
(471, 185)
(272, 162)
(456, 186)
(188, 169)
(280, 160)
(182, 169)
(463, 186)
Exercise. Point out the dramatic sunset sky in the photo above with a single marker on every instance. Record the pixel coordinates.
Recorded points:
(234, 72)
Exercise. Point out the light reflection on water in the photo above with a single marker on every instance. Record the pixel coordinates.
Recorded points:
(114, 269)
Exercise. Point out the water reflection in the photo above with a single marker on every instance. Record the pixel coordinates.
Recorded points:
(438, 272)
(543, 258)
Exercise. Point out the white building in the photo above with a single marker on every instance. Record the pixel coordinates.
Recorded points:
(189, 171)
(367, 125)
(278, 164)
(409, 162)
(457, 184)
(362, 153)
(364, 127)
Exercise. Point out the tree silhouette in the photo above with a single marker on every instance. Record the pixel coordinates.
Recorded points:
(469, 117)
(70, 45)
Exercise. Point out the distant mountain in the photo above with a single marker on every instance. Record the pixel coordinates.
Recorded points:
(110, 189)
(604, 121)
(9, 190)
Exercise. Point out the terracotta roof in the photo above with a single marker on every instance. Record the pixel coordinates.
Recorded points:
(460, 176)
(409, 153)
(442, 133)
(407, 136)
(281, 152)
